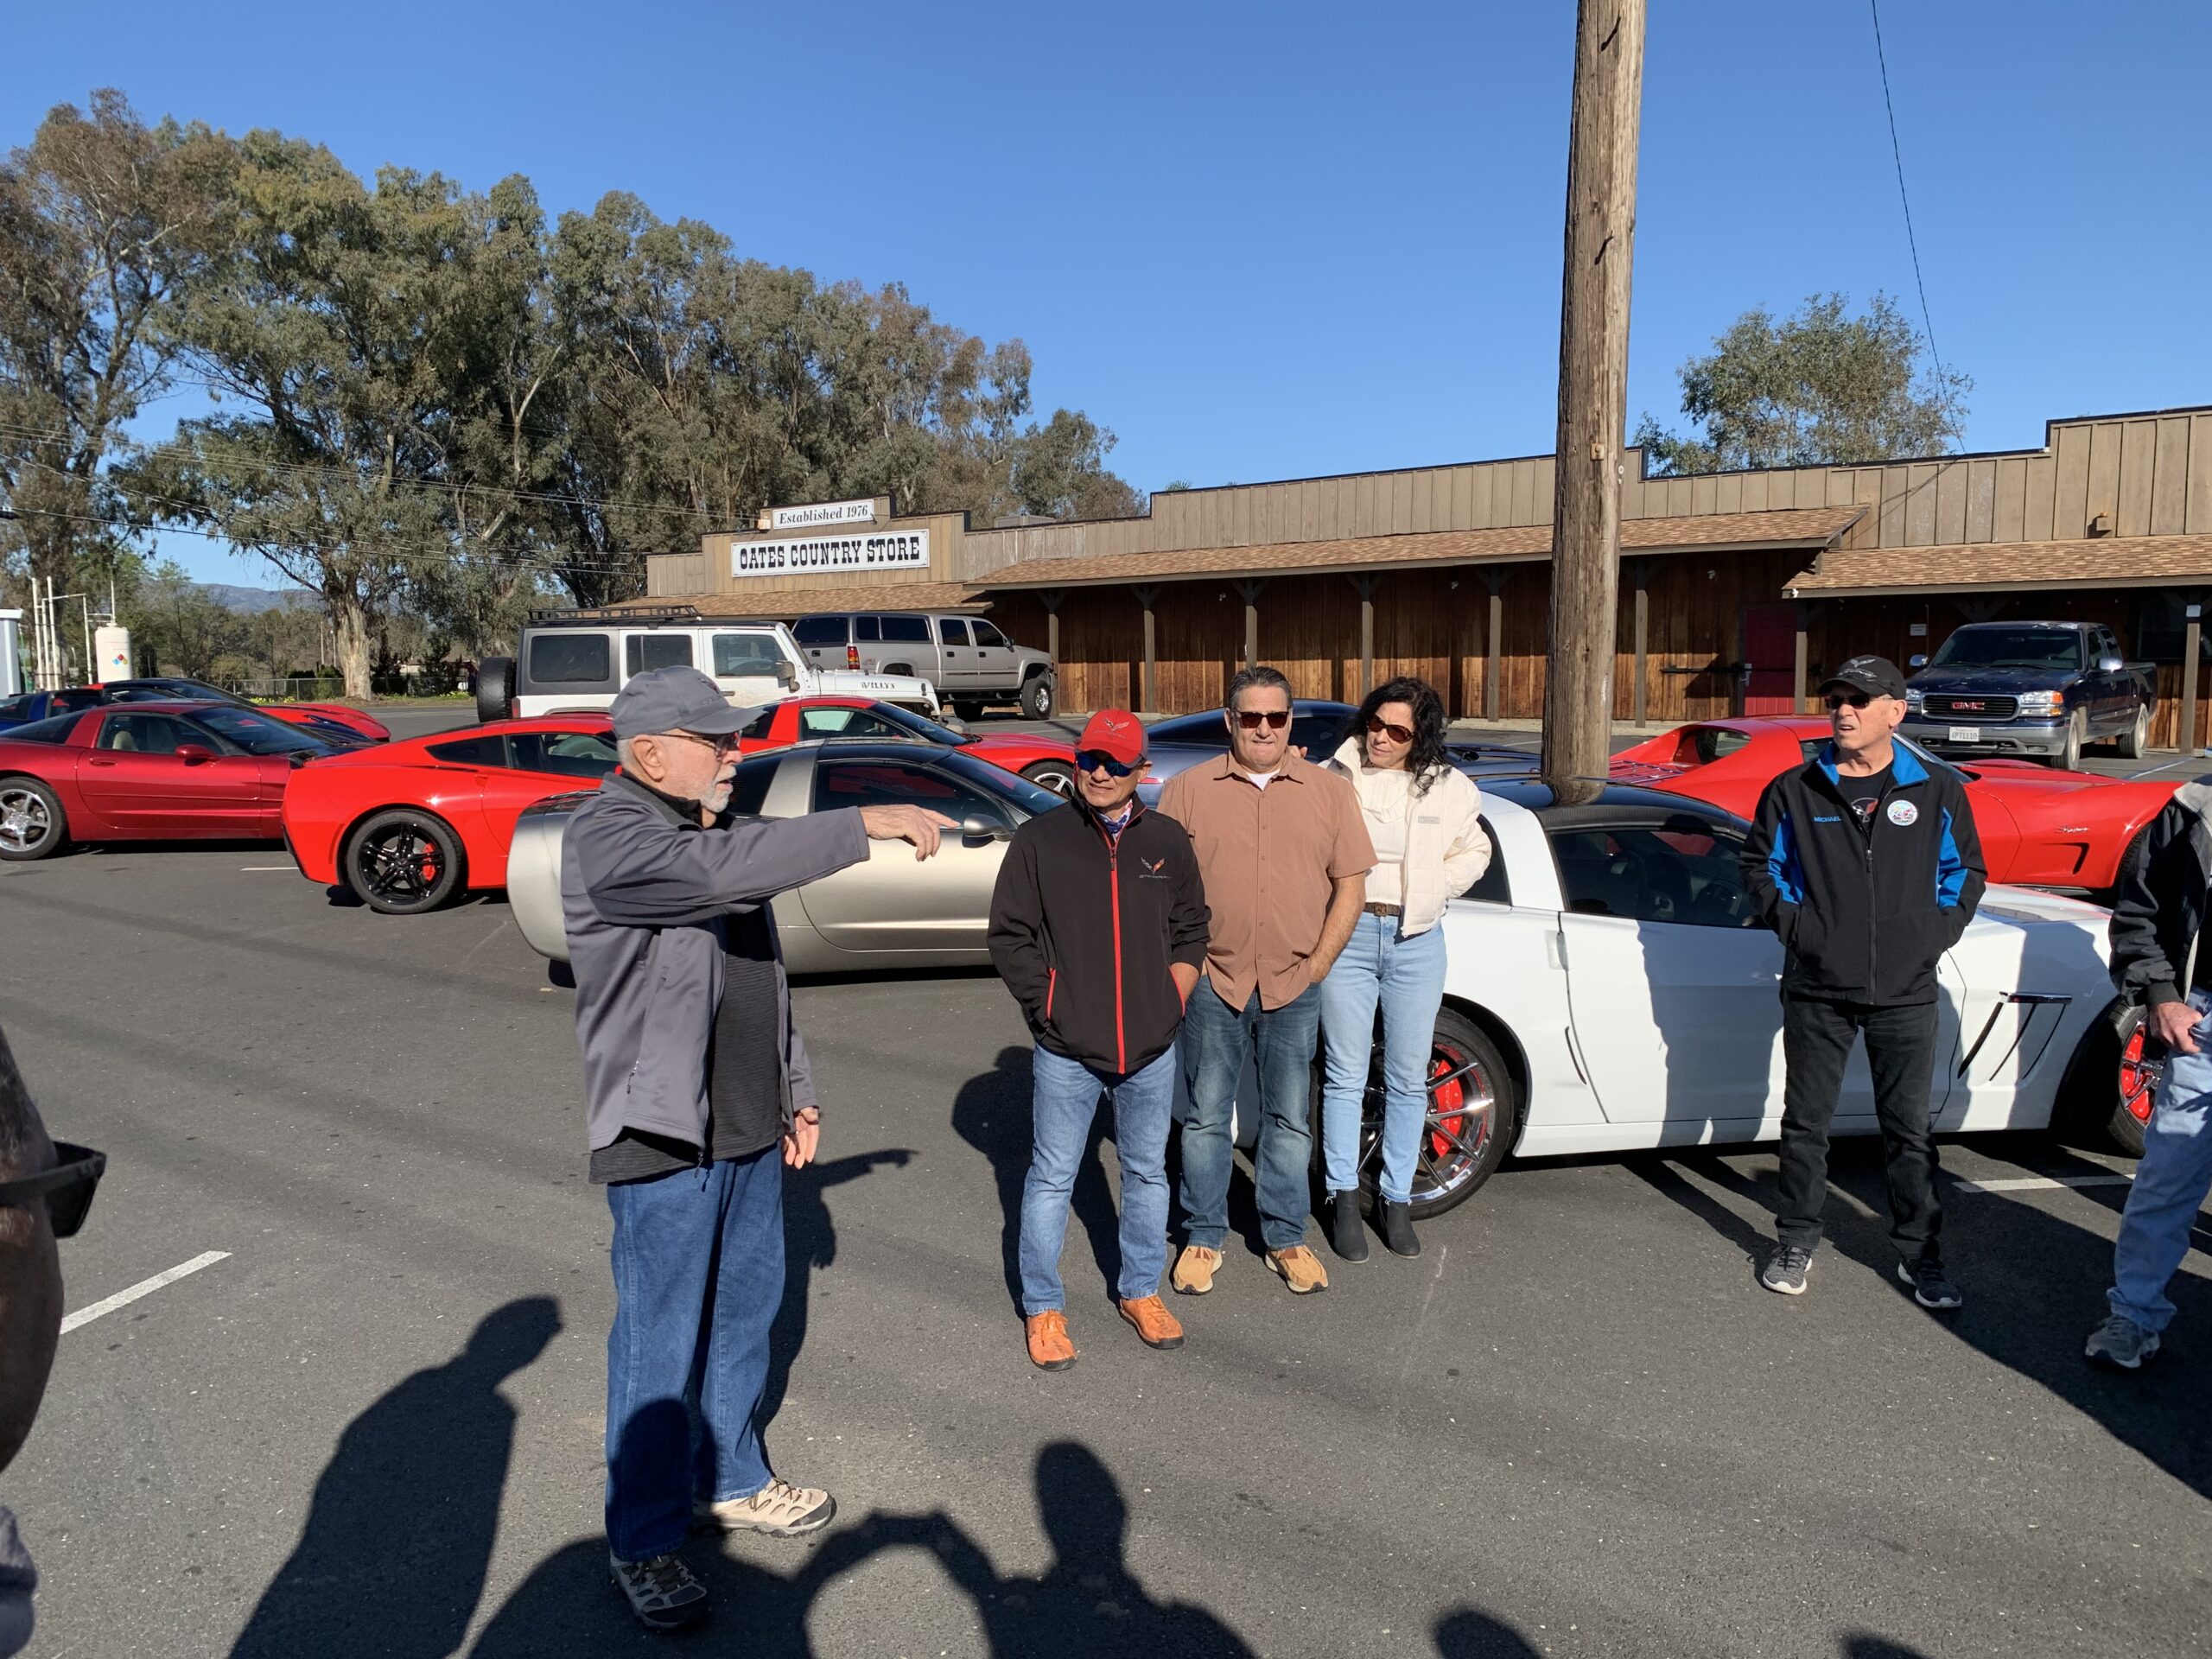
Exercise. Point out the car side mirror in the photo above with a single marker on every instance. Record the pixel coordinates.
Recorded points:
(787, 674)
(2109, 664)
(1916, 662)
(983, 826)
(193, 753)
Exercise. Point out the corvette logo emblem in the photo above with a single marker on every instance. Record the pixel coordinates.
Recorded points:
(1904, 813)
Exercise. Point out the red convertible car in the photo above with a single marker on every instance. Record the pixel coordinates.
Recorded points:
(1046, 761)
(2039, 827)
(149, 771)
(407, 825)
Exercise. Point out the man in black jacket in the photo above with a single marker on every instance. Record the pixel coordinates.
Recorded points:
(2160, 962)
(1098, 927)
(1867, 863)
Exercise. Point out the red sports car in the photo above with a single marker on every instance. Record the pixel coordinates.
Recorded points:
(149, 771)
(327, 719)
(2039, 827)
(407, 825)
(1046, 761)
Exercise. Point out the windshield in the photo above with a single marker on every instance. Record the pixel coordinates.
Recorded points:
(259, 733)
(1316, 728)
(2043, 648)
(917, 725)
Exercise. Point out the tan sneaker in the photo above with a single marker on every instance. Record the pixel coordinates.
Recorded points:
(1155, 1325)
(1301, 1269)
(1049, 1347)
(778, 1508)
(1194, 1270)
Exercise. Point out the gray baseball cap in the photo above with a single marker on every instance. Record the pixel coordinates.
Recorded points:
(675, 700)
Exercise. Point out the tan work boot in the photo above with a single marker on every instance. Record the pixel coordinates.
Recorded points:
(1194, 1270)
(778, 1508)
(1155, 1325)
(1301, 1269)
(1049, 1347)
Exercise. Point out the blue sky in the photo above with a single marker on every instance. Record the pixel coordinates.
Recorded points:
(1273, 240)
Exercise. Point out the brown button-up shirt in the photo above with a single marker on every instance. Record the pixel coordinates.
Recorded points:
(1269, 856)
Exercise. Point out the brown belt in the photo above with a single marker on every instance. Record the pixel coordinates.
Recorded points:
(1383, 910)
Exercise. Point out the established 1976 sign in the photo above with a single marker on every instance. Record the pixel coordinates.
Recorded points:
(808, 555)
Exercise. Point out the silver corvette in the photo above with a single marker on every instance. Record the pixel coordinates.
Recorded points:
(893, 911)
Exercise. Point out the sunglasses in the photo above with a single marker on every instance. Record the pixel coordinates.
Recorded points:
(1252, 719)
(723, 743)
(1097, 760)
(1399, 733)
(67, 1187)
(1853, 700)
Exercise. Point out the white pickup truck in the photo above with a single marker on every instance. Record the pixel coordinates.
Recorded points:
(569, 661)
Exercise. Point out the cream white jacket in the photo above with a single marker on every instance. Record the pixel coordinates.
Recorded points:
(1446, 851)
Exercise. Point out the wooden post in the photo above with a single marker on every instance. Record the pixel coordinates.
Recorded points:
(1051, 597)
(1149, 700)
(1592, 386)
(1804, 653)
(1640, 572)
(1364, 586)
(2192, 646)
(1495, 581)
(1249, 592)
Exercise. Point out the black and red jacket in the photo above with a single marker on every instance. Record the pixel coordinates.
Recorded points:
(1083, 926)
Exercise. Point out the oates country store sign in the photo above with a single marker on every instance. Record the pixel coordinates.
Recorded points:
(907, 549)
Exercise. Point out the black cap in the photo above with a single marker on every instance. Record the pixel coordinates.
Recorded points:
(1877, 676)
(675, 700)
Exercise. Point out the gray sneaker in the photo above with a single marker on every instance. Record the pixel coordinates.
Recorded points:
(1785, 1273)
(2121, 1342)
(662, 1592)
(1931, 1285)
(780, 1508)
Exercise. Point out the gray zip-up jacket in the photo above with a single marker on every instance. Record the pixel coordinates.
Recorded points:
(644, 890)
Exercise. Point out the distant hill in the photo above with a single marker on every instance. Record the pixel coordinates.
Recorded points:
(253, 600)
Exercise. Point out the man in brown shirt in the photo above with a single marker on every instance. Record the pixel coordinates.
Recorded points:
(1285, 855)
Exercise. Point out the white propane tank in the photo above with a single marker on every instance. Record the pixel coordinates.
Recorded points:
(112, 646)
(11, 653)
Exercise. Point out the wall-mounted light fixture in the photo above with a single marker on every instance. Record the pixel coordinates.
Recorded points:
(2101, 524)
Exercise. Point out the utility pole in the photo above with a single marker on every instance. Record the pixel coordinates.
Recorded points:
(1592, 386)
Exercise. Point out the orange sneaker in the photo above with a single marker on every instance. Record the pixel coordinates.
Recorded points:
(1155, 1325)
(1301, 1269)
(1049, 1347)
(1194, 1270)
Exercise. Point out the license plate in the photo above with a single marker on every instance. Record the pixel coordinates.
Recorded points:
(1965, 734)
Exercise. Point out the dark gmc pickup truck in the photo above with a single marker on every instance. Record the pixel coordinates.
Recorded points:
(2036, 690)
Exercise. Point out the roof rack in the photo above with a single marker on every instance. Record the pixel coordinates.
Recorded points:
(637, 615)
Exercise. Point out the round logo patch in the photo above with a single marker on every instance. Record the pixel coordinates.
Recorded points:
(1902, 813)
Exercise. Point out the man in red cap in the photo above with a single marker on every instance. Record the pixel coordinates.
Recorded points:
(1098, 927)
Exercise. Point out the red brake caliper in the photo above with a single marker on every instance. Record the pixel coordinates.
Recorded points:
(2135, 1090)
(1448, 1100)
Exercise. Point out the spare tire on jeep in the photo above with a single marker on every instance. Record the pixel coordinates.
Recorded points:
(495, 688)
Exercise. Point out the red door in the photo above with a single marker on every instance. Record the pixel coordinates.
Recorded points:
(135, 780)
(1770, 653)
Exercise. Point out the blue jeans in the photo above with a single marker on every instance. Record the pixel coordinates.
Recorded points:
(1406, 977)
(698, 1260)
(2170, 1184)
(1064, 1097)
(1216, 1038)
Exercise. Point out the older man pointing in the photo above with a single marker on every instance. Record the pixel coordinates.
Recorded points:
(699, 1095)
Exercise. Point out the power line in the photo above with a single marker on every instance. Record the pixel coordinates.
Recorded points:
(1897, 154)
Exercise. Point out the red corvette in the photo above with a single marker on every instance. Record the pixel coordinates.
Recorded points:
(2039, 827)
(1046, 761)
(407, 825)
(149, 771)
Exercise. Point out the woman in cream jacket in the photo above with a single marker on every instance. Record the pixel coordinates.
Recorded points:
(1423, 815)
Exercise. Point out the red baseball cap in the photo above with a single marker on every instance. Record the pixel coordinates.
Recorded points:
(1115, 732)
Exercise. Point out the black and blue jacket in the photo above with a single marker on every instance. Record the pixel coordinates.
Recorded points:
(1864, 915)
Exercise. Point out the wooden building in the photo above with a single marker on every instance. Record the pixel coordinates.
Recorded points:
(1738, 590)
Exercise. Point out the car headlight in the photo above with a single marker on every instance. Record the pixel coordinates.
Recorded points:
(1912, 701)
(2042, 702)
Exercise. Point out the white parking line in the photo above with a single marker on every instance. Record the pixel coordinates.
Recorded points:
(143, 1287)
(2043, 1183)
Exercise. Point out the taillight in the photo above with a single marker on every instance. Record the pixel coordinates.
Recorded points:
(852, 656)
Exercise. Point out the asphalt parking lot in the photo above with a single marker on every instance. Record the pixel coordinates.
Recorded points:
(1574, 1426)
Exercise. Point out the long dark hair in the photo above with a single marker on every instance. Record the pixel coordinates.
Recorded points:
(1429, 760)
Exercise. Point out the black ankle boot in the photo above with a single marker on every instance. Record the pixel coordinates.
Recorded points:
(1347, 1232)
(1398, 1228)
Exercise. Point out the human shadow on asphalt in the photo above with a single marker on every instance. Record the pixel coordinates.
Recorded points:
(2034, 1283)
(399, 1532)
(809, 1242)
(991, 1114)
(1465, 1634)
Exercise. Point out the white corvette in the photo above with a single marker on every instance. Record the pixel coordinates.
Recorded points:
(1611, 988)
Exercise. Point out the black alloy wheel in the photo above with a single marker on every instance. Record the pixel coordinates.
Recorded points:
(2105, 1103)
(1474, 1114)
(32, 822)
(1055, 775)
(403, 861)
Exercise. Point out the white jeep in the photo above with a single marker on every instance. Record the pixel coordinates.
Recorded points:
(567, 662)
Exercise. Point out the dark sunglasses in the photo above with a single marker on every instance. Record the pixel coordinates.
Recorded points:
(721, 743)
(1399, 733)
(67, 1187)
(1853, 700)
(1095, 760)
(1252, 719)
